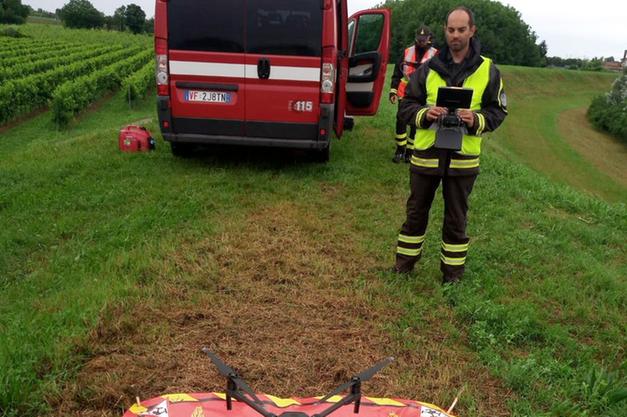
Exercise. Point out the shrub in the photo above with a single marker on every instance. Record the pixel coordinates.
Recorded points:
(137, 85)
(12, 33)
(609, 112)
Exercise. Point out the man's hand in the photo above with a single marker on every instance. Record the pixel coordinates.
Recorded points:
(393, 98)
(435, 112)
(468, 116)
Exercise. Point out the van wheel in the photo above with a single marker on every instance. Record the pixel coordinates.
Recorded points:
(182, 150)
(321, 155)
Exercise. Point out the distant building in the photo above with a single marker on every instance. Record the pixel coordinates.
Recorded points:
(614, 66)
(611, 65)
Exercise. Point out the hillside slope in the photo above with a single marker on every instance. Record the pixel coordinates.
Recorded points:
(543, 134)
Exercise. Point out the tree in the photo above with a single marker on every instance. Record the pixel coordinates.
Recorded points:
(135, 18)
(81, 14)
(119, 18)
(150, 25)
(544, 49)
(595, 64)
(12, 11)
(504, 36)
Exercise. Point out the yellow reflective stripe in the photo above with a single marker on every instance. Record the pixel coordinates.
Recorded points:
(401, 136)
(401, 142)
(411, 239)
(455, 248)
(481, 127)
(419, 115)
(393, 90)
(220, 395)
(422, 162)
(385, 401)
(282, 402)
(177, 398)
(408, 252)
(453, 261)
(333, 399)
(464, 163)
(137, 409)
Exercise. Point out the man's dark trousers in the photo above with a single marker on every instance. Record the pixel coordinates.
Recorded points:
(401, 133)
(454, 247)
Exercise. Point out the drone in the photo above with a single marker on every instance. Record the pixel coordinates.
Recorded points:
(249, 404)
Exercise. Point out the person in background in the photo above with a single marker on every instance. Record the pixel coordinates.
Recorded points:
(419, 53)
(459, 64)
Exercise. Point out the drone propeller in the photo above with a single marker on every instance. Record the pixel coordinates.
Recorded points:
(228, 372)
(237, 388)
(361, 377)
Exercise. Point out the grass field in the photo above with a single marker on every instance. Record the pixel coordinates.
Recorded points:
(116, 268)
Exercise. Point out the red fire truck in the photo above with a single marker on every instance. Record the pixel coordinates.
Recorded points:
(280, 73)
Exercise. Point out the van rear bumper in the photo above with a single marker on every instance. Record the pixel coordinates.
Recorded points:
(230, 132)
(245, 141)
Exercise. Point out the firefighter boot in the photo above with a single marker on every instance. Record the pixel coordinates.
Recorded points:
(408, 154)
(399, 154)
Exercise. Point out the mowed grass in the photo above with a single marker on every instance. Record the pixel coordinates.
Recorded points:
(533, 136)
(83, 229)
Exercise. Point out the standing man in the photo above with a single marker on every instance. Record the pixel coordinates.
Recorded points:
(417, 54)
(460, 65)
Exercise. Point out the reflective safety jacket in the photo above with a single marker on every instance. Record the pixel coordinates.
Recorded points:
(489, 103)
(407, 66)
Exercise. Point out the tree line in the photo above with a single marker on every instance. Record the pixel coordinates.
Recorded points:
(503, 35)
(81, 14)
(594, 64)
(13, 11)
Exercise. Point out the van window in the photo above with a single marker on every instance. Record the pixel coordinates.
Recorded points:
(369, 33)
(213, 26)
(284, 27)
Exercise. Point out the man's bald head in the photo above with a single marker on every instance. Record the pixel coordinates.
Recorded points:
(465, 10)
(459, 28)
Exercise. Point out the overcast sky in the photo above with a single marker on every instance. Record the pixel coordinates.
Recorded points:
(571, 29)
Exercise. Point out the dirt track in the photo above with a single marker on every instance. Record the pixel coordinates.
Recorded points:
(275, 298)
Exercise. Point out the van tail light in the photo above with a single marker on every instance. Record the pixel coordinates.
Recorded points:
(327, 78)
(162, 74)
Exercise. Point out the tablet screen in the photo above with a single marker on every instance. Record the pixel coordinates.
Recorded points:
(454, 97)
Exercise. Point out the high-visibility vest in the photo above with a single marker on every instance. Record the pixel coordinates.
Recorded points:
(478, 81)
(410, 65)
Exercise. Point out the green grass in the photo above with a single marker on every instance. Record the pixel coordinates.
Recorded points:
(83, 226)
(537, 98)
(41, 28)
(43, 20)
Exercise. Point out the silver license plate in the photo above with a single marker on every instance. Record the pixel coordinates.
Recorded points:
(208, 96)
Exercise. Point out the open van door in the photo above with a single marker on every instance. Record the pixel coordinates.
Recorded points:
(369, 42)
(365, 40)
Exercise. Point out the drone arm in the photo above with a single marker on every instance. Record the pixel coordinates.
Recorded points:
(352, 397)
(238, 395)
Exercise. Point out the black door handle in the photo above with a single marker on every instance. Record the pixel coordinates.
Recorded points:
(263, 68)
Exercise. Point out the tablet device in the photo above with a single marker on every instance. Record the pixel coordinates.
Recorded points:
(454, 97)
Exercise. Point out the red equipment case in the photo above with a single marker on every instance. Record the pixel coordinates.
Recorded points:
(136, 139)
